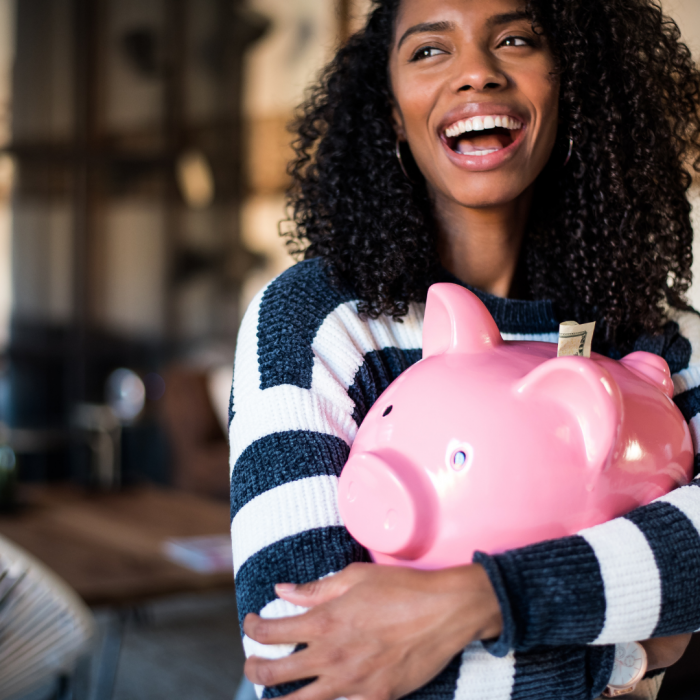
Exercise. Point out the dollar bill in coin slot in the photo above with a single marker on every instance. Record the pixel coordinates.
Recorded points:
(575, 339)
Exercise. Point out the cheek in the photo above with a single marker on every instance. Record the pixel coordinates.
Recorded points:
(545, 97)
(415, 102)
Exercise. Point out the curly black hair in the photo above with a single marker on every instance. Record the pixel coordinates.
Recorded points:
(609, 236)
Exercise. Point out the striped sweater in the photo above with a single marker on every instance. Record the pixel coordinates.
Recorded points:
(308, 369)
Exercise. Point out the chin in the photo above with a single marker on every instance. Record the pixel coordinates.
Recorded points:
(479, 190)
(475, 198)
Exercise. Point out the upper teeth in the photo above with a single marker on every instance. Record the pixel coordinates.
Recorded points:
(482, 123)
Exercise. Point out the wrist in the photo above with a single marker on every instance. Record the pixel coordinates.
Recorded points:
(663, 652)
(476, 608)
(492, 618)
(653, 660)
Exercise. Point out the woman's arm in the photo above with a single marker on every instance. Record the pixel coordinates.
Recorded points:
(388, 629)
(379, 633)
(630, 579)
(633, 578)
(290, 431)
(398, 627)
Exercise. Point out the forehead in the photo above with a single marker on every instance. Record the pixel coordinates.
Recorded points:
(460, 11)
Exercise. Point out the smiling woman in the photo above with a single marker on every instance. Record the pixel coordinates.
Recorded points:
(627, 97)
(545, 150)
(482, 62)
(465, 72)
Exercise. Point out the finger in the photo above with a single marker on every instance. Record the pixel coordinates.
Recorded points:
(307, 595)
(282, 630)
(314, 593)
(295, 667)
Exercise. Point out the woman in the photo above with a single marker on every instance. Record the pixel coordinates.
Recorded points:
(537, 153)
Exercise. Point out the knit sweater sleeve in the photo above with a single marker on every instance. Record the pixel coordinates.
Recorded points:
(290, 432)
(629, 579)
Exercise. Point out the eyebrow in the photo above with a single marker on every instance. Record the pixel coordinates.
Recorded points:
(425, 27)
(507, 18)
(495, 21)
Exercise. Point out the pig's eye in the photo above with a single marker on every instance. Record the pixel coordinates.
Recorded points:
(387, 411)
(459, 459)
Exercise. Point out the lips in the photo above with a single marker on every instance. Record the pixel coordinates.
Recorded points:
(480, 136)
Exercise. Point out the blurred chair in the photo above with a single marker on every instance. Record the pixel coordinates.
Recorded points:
(198, 442)
(44, 626)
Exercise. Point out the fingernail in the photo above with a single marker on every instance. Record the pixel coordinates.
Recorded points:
(285, 587)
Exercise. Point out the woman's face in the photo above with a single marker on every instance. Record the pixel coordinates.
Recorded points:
(475, 97)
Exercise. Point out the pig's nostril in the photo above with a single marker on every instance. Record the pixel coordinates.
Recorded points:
(387, 411)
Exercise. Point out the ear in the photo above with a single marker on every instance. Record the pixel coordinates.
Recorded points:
(652, 368)
(397, 121)
(587, 394)
(457, 321)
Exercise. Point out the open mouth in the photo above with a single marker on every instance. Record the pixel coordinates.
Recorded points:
(482, 136)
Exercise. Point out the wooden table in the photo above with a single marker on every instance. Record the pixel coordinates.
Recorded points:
(108, 546)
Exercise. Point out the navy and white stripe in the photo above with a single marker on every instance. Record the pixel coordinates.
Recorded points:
(308, 369)
(623, 548)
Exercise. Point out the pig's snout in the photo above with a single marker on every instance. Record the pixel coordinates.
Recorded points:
(381, 506)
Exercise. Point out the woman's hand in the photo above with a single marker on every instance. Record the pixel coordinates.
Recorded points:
(375, 632)
(663, 652)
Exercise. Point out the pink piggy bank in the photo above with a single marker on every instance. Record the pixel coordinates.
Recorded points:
(489, 445)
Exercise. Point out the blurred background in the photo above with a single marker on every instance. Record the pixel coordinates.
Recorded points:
(143, 146)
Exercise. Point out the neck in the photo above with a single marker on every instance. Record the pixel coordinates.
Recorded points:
(481, 246)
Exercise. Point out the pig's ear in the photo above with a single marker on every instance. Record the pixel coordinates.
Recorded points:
(580, 395)
(652, 368)
(457, 321)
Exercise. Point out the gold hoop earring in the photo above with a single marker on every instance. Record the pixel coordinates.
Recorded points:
(571, 150)
(398, 157)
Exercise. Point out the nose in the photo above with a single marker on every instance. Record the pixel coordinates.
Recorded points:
(381, 507)
(477, 70)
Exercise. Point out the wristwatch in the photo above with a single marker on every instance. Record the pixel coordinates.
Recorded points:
(629, 668)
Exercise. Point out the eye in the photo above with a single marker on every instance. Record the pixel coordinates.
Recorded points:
(458, 459)
(515, 41)
(387, 411)
(426, 52)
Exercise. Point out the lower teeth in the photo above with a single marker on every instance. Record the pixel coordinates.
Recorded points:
(481, 153)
